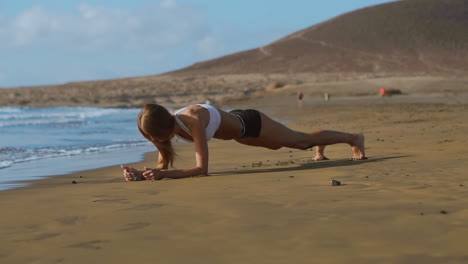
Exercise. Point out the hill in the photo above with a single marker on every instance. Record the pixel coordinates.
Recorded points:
(398, 37)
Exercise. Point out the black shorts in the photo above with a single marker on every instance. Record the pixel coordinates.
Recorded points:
(251, 122)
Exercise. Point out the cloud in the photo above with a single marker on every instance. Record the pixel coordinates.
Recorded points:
(30, 25)
(209, 47)
(87, 11)
(98, 42)
(165, 25)
(168, 3)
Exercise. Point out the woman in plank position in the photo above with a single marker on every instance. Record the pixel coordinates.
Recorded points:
(199, 123)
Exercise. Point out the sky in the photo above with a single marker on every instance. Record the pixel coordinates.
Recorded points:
(46, 42)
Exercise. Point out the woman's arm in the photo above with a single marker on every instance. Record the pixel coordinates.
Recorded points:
(156, 174)
(197, 129)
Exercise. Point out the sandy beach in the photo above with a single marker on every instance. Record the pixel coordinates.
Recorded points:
(408, 203)
(74, 79)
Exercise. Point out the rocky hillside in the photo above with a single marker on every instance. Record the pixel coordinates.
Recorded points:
(408, 36)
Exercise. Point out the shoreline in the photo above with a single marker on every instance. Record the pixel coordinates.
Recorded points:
(407, 203)
(31, 180)
(75, 139)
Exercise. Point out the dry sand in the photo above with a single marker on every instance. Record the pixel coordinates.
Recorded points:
(407, 204)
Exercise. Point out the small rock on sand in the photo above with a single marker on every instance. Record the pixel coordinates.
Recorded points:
(335, 183)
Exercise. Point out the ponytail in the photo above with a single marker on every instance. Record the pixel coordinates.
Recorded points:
(167, 154)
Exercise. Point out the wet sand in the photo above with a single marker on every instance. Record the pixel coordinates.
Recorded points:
(408, 203)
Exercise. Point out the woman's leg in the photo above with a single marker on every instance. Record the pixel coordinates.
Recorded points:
(320, 153)
(274, 135)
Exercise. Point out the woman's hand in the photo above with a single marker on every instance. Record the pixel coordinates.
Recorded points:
(153, 174)
(132, 174)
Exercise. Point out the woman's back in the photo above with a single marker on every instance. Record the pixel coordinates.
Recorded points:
(218, 123)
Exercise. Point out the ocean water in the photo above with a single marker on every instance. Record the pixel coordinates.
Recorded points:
(40, 142)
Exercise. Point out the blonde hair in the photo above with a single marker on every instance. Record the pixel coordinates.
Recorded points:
(154, 120)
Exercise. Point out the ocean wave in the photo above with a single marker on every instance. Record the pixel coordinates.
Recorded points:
(19, 155)
(11, 116)
(9, 109)
(31, 136)
(6, 164)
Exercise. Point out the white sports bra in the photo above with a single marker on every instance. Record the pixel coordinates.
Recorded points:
(213, 125)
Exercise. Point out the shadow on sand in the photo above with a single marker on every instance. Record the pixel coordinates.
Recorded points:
(268, 168)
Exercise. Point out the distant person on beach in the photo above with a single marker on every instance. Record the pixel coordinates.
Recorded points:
(199, 123)
(300, 98)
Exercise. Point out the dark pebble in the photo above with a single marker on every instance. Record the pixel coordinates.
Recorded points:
(81, 177)
(443, 212)
(335, 183)
(74, 182)
(291, 176)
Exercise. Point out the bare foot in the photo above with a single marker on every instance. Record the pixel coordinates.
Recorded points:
(320, 153)
(319, 158)
(358, 148)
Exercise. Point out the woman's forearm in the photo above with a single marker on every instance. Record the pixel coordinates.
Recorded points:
(183, 173)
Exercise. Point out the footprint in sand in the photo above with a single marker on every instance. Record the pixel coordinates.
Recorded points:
(44, 236)
(152, 192)
(135, 226)
(71, 220)
(39, 237)
(93, 244)
(110, 199)
(148, 206)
